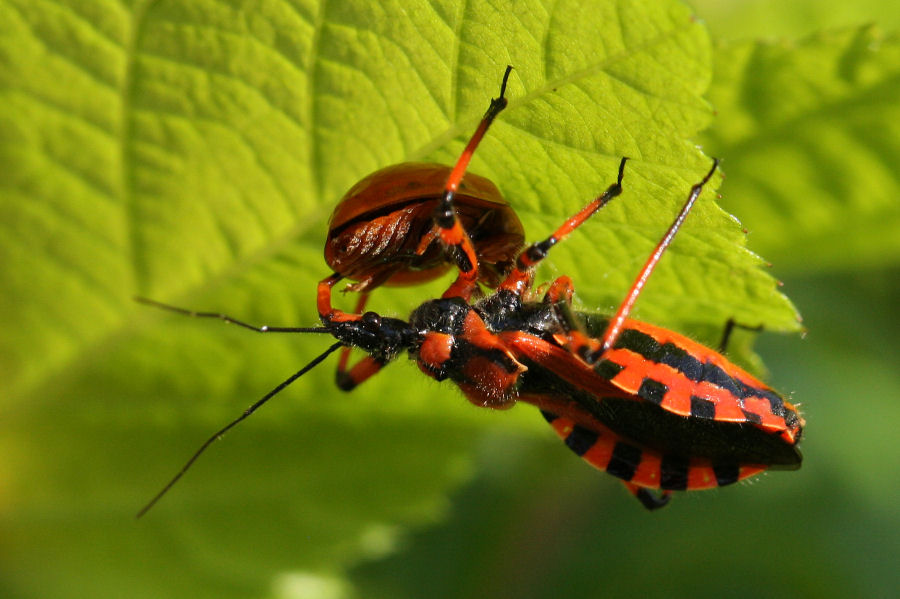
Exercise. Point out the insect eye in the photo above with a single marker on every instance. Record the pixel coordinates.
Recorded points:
(371, 318)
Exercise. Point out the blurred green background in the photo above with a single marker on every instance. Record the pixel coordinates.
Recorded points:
(402, 490)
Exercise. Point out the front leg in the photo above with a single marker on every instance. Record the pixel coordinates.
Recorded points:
(446, 225)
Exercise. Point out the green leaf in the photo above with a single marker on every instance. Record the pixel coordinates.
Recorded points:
(812, 135)
(768, 19)
(191, 151)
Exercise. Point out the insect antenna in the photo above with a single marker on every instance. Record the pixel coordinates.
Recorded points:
(259, 329)
(218, 434)
(229, 319)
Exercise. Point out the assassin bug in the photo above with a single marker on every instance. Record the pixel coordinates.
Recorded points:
(649, 406)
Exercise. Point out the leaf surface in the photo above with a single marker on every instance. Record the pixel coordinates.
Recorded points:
(812, 135)
(191, 151)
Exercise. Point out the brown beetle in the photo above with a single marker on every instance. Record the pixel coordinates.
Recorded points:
(376, 232)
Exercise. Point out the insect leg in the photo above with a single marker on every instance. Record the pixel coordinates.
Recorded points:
(327, 313)
(729, 328)
(451, 232)
(618, 321)
(347, 380)
(561, 290)
(519, 279)
(572, 336)
(648, 499)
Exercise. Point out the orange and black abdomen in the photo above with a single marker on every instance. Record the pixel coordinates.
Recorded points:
(616, 416)
(689, 379)
(377, 227)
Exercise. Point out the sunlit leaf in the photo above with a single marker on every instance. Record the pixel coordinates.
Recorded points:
(191, 151)
(812, 135)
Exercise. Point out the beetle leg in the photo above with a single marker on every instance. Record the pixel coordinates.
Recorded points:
(426, 240)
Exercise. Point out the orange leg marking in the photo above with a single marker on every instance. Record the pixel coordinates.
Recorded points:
(561, 290)
(361, 371)
(519, 278)
(445, 222)
(327, 313)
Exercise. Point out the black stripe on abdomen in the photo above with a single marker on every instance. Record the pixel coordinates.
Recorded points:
(624, 461)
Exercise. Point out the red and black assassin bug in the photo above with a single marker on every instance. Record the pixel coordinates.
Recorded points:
(647, 405)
